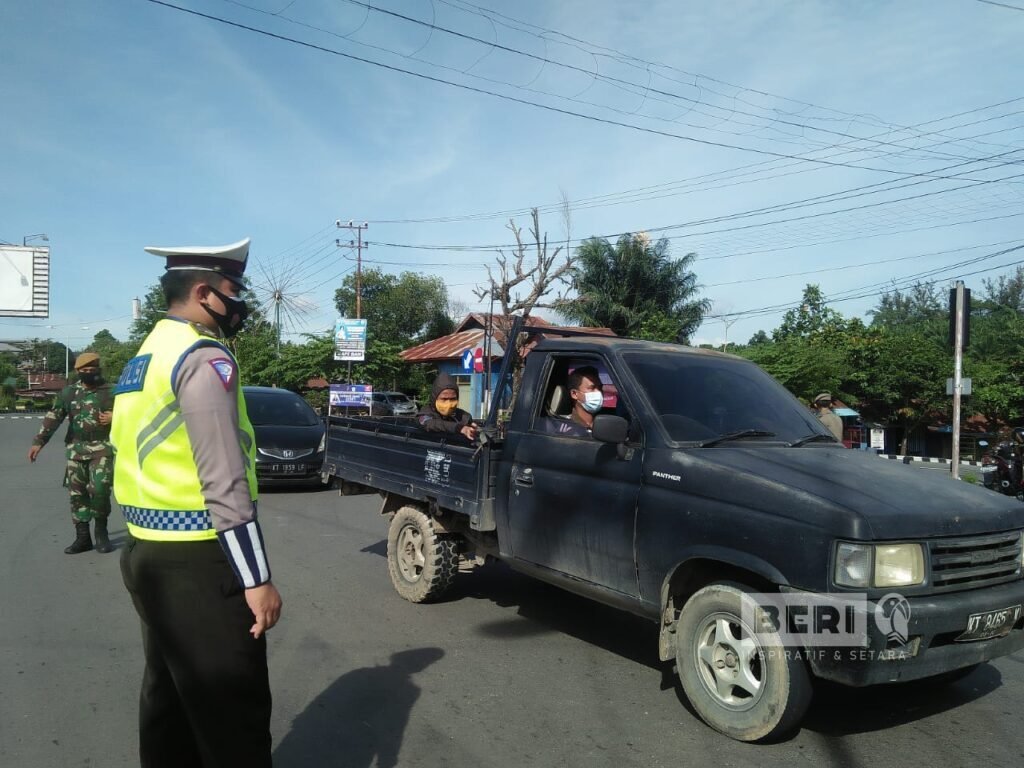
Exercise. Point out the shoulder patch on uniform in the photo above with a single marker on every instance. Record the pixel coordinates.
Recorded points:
(225, 370)
(133, 375)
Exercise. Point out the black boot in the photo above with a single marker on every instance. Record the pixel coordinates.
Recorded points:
(82, 542)
(102, 542)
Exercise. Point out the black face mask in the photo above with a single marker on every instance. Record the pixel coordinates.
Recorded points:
(228, 323)
(91, 379)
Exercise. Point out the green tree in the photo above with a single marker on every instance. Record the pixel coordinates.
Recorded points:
(812, 317)
(402, 309)
(920, 303)
(153, 309)
(400, 312)
(901, 376)
(635, 288)
(312, 359)
(8, 383)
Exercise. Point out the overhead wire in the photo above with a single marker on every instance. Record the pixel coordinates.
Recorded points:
(640, 63)
(513, 99)
(620, 82)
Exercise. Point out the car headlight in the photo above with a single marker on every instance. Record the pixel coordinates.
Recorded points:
(879, 565)
(853, 565)
(899, 565)
(323, 444)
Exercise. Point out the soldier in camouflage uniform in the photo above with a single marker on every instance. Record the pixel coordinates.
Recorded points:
(87, 404)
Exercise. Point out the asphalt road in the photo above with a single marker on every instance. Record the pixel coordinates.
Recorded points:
(509, 672)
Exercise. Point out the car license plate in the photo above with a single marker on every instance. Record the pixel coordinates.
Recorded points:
(985, 626)
(288, 469)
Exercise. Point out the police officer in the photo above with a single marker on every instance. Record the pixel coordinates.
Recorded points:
(87, 405)
(196, 566)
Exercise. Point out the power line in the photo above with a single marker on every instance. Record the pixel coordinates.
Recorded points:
(842, 267)
(629, 59)
(662, 190)
(817, 200)
(514, 99)
(619, 81)
(1002, 5)
(893, 284)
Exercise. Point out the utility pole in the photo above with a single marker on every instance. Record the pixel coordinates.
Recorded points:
(727, 324)
(358, 245)
(958, 361)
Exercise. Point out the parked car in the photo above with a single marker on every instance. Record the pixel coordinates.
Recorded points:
(290, 437)
(392, 404)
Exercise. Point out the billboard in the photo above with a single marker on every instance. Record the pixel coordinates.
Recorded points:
(24, 281)
(350, 339)
(351, 395)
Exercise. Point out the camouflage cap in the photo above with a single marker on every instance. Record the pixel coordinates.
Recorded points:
(86, 358)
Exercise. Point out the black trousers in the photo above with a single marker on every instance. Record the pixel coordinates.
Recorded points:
(205, 699)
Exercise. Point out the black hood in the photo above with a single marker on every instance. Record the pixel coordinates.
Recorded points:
(279, 437)
(846, 493)
(441, 383)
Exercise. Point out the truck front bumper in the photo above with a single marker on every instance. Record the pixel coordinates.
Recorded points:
(932, 648)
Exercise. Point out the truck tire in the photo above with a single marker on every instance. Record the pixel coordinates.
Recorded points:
(422, 563)
(745, 686)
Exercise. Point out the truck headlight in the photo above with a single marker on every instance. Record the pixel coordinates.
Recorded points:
(879, 565)
(853, 565)
(323, 443)
(899, 565)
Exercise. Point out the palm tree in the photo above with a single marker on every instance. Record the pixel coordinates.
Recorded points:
(635, 288)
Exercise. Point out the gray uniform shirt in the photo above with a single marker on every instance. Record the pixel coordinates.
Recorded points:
(207, 384)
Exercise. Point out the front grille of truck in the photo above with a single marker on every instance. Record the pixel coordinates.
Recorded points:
(975, 561)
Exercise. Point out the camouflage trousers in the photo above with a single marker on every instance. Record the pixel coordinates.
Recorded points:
(89, 481)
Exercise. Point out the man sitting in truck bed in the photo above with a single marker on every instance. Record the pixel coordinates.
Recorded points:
(442, 413)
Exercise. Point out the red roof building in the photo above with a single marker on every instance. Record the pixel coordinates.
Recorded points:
(472, 333)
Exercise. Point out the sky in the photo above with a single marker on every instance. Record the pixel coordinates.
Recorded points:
(858, 146)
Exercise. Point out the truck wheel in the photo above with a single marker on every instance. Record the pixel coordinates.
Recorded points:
(746, 686)
(422, 562)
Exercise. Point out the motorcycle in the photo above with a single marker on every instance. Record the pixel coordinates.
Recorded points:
(1002, 470)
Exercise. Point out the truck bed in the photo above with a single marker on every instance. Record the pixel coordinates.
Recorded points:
(393, 455)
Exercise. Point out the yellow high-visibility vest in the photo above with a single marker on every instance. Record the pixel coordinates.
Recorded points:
(156, 481)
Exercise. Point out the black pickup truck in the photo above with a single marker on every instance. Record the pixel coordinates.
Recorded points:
(708, 499)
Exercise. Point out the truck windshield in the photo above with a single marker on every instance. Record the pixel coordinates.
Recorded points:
(700, 398)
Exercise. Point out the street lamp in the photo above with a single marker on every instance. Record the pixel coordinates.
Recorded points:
(67, 352)
(45, 238)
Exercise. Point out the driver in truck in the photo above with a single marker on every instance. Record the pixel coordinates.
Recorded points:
(586, 393)
(442, 413)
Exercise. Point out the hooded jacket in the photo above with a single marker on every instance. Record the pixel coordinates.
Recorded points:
(431, 419)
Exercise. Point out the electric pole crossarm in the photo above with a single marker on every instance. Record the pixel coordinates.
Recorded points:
(358, 245)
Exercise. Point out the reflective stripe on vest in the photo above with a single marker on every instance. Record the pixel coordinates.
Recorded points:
(156, 481)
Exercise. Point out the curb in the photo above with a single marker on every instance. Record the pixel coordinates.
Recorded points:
(926, 460)
(19, 416)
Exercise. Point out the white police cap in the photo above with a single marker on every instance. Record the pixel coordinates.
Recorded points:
(228, 260)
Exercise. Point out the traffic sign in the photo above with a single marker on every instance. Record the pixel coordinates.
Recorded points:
(478, 360)
(467, 359)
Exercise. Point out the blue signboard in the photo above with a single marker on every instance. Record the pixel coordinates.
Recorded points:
(350, 339)
(467, 360)
(351, 395)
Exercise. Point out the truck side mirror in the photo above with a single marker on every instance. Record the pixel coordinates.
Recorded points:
(608, 428)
